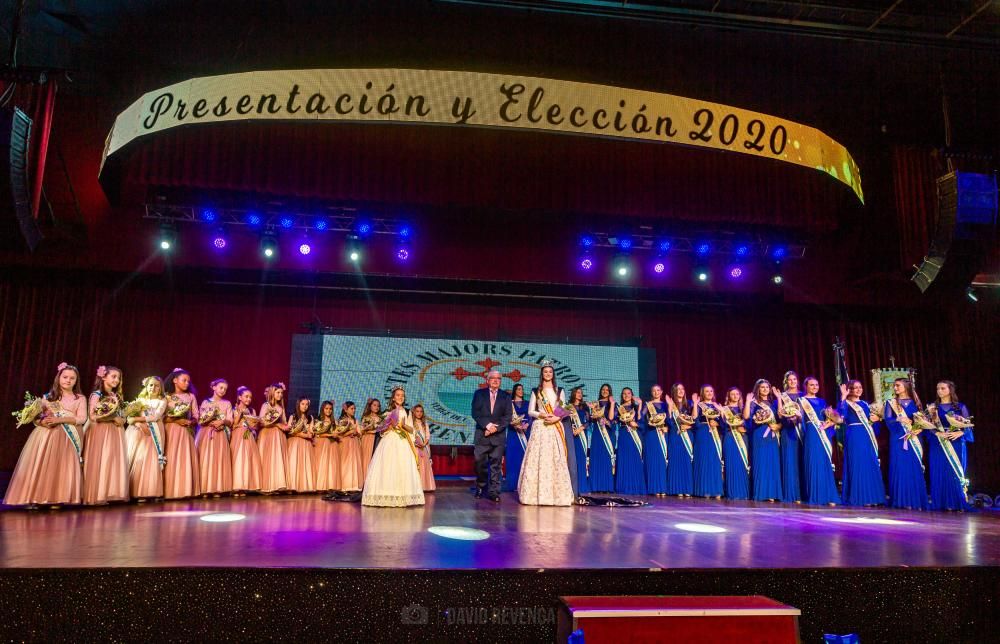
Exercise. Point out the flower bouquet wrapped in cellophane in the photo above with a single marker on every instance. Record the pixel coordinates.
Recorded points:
(32, 409)
(107, 408)
(134, 409)
(180, 409)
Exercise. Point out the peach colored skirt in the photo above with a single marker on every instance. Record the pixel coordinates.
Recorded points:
(246, 461)
(326, 455)
(273, 459)
(105, 464)
(367, 450)
(181, 476)
(301, 467)
(351, 476)
(47, 472)
(426, 471)
(215, 460)
(145, 476)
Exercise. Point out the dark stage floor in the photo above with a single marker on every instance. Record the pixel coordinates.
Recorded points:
(307, 532)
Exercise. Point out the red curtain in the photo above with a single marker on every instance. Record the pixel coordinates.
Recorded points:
(914, 171)
(245, 337)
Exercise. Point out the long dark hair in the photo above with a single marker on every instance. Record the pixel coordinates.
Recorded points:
(910, 391)
(610, 392)
(771, 397)
(368, 408)
(56, 393)
(541, 378)
(951, 390)
(99, 383)
(682, 406)
(660, 399)
(513, 389)
(572, 395)
(621, 396)
(343, 409)
(169, 387)
(731, 390)
(298, 414)
(322, 406)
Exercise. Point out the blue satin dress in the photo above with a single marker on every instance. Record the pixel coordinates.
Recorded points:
(582, 447)
(765, 464)
(947, 490)
(791, 458)
(602, 450)
(707, 466)
(862, 469)
(514, 455)
(737, 479)
(630, 476)
(907, 488)
(680, 469)
(655, 452)
(817, 464)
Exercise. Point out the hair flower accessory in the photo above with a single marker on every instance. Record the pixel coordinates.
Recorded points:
(102, 371)
(61, 366)
(282, 385)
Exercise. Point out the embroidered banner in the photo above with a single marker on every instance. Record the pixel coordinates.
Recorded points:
(474, 99)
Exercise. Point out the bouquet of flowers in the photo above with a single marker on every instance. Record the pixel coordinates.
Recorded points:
(734, 420)
(271, 417)
(959, 422)
(573, 415)
(180, 409)
(33, 408)
(765, 416)
(209, 414)
(788, 408)
(685, 422)
(370, 423)
(710, 412)
(107, 407)
(323, 428)
(596, 411)
(626, 416)
(833, 416)
(133, 409)
(876, 411)
(343, 427)
(299, 426)
(516, 420)
(919, 422)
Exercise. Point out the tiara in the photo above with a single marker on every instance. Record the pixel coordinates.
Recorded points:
(546, 363)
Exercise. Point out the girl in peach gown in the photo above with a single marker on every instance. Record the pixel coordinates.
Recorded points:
(272, 442)
(144, 443)
(301, 467)
(246, 456)
(350, 450)
(370, 420)
(212, 442)
(422, 440)
(105, 463)
(48, 471)
(326, 450)
(181, 475)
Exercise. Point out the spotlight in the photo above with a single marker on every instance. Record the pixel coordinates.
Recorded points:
(622, 267)
(735, 272)
(703, 248)
(587, 241)
(402, 254)
(659, 267)
(219, 240)
(622, 271)
(354, 249)
(971, 294)
(586, 263)
(269, 245)
(208, 215)
(405, 231)
(778, 279)
(168, 237)
(362, 228)
(253, 219)
(702, 275)
(321, 224)
(779, 252)
(663, 245)
(287, 222)
(305, 248)
(742, 250)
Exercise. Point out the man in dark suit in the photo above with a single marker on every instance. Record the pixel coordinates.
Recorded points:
(492, 411)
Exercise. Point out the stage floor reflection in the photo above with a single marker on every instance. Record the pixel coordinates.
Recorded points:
(455, 531)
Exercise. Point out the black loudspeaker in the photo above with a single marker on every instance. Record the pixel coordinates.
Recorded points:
(966, 228)
(15, 196)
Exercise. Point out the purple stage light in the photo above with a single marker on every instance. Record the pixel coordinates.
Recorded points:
(305, 249)
(586, 263)
(659, 267)
(219, 242)
(402, 254)
(736, 272)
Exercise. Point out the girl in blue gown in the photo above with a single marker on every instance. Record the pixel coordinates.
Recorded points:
(736, 448)
(818, 434)
(680, 443)
(948, 453)
(630, 476)
(862, 473)
(907, 488)
(517, 439)
(654, 442)
(602, 444)
(761, 411)
(707, 466)
(580, 443)
(791, 439)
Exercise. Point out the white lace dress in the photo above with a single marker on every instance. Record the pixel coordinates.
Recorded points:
(393, 478)
(544, 472)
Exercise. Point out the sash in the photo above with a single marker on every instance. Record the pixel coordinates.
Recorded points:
(688, 445)
(810, 415)
(577, 424)
(518, 432)
(863, 417)
(714, 432)
(787, 400)
(909, 438)
(631, 432)
(950, 454)
(741, 445)
(74, 438)
(541, 399)
(651, 411)
(770, 419)
(602, 431)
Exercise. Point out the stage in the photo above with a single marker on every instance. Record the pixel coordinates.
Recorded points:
(298, 566)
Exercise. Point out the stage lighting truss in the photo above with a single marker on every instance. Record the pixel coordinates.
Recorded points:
(333, 219)
(738, 248)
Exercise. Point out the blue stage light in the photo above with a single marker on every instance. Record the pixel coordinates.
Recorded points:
(703, 248)
(779, 252)
(208, 215)
(405, 231)
(587, 241)
(253, 219)
(742, 250)
(663, 245)
(625, 243)
(321, 224)
(287, 222)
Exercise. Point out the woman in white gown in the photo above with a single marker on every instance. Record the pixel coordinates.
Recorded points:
(393, 478)
(544, 472)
